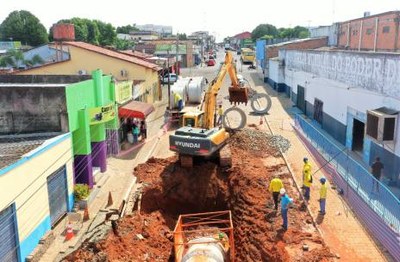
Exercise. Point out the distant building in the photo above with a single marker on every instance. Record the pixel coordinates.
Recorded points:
(331, 31)
(145, 35)
(164, 31)
(84, 58)
(241, 40)
(380, 32)
(9, 45)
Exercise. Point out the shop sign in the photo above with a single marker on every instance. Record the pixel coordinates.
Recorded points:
(123, 91)
(98, 115)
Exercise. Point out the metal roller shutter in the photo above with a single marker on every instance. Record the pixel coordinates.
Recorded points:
(8, 233)
(57, 189)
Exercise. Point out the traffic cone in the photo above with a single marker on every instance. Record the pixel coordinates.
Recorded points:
(86, 214)
(70, 232)
(110, 200)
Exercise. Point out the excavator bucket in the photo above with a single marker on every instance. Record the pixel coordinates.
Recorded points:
(238, 95)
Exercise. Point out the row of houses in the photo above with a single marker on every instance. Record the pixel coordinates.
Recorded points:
(59, 121)
(345, 82)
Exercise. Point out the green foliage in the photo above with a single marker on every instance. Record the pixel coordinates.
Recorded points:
(262, 30)
(81, 191)
(126, 29)
(182, 36)
(36, 59)
(267, 31)
(12, 58)
(122, 44)
(267, 37)
(91, 31)
(25, 27)
(107, 32)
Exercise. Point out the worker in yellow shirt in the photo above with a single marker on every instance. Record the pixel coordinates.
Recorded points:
(178, 100)
(220, 115)
(274, 187)
(307, 179)
(322, 195)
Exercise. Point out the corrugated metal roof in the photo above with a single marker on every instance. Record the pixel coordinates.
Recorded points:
(12, 148)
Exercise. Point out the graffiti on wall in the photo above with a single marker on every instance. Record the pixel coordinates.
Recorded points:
(375, 72)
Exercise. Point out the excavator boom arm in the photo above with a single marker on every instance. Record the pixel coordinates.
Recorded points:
(211, 94)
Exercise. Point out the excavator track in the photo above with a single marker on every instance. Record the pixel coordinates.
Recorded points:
(225, 156)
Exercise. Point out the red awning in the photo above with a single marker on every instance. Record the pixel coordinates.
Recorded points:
(135, 109)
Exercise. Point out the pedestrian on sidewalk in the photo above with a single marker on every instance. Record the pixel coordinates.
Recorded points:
(220, 115)
(135, 133)
(376, 170)
(143, 129)
(285, 201)
(274, 187)
(307, 179)
(322, 195)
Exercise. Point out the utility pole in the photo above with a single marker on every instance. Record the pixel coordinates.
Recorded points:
(176, 47)
(169, 85)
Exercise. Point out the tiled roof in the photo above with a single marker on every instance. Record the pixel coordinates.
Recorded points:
(13, 148)
(114, 54)
(243, 35)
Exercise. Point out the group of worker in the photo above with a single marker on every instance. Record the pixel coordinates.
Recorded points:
(279, 193)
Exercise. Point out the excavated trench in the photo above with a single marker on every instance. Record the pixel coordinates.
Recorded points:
(170, 190)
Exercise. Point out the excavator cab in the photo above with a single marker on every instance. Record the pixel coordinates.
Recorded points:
(193, 119)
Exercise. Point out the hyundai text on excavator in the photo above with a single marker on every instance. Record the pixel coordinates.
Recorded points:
(199, 135)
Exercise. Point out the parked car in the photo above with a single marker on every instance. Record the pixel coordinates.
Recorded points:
(211, 62)
(172, 78)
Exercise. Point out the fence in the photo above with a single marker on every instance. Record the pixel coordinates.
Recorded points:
(378, 210)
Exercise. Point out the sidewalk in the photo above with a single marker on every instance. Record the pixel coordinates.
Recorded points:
(119, 179)
(341, 230)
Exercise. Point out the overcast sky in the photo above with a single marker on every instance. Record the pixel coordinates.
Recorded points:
(220, 17)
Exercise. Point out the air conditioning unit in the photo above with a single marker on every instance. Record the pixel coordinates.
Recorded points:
(124, 73)
(82, 72)
(381, 125)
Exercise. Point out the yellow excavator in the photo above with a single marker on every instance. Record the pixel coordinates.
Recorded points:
(199, 135)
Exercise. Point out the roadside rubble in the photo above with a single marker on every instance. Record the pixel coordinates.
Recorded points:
(169, 190)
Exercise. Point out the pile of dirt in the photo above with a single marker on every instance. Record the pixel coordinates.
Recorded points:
(170, 190)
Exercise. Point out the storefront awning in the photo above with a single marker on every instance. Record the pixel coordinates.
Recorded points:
(135, 109)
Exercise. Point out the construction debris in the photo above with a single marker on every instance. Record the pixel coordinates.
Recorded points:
(171, 190)
(258, 141)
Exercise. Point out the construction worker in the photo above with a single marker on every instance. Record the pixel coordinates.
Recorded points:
(220, 115)
(274, 187)
(285, 201)
(178, 101)
(322, 195)
(307, 178)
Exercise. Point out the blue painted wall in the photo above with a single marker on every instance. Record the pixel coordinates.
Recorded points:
(30, 243)
(390, 161)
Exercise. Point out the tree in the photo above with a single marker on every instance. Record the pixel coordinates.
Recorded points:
(15, 58)
(25, 27)
(108, 35)
(126, 29)
(262, 30)
(182, 36)
(122, 44)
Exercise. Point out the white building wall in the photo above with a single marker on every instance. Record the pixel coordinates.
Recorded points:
(337, 97)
